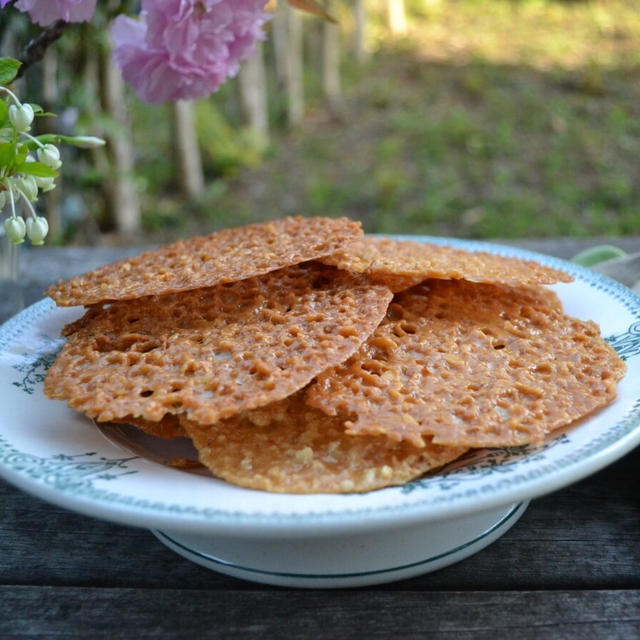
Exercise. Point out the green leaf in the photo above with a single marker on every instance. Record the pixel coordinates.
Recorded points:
(8, 70)
(47, 138)
(4, 110)
(7, 153)
(595, 255)
(21, 154)
(37, 169)
(83, 142)
(39, 112)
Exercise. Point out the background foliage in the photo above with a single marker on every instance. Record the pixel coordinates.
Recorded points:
(483, 118)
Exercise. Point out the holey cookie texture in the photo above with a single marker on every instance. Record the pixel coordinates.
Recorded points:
(224, 256)
(401, 264)
(471, 365)
(210, 353)
(288, 447)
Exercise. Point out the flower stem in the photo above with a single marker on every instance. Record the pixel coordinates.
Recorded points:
(13, 96)
(11, 199)
(26, 135)
(30, 209)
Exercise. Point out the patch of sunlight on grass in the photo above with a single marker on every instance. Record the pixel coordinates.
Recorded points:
(491, 118)
(543, 35)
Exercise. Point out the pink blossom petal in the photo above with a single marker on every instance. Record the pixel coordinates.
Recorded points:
(46, 12)
(185, 49)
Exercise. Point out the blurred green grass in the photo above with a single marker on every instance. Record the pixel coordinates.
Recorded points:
(490, 118)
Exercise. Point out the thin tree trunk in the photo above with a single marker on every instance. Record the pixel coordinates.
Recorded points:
(288, 45)
(397, 16)
(187, 158)
(90, 83)
(123, 202)
(360, 32)
(49, 78)
(50, 98)
(280, 35)
(253, 91)
(331, 64)
(296, 56)
(8, 47)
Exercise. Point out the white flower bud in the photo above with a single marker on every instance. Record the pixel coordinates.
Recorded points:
(28, 185)
(21, 117)
(50, 156)
(87, 142)
(46, 184)
(15, 229)
(37, 229)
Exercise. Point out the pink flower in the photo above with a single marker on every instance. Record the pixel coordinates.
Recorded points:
(46, 12)
(183, 49)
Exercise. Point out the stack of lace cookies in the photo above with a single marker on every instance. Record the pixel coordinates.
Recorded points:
(301, 356)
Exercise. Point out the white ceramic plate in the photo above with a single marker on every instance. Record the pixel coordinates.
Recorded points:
(50, 451)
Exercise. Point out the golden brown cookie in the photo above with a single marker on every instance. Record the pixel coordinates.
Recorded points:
(212, 352)
(472, 365)
(401, 264)
(288, 447)
(224, 256)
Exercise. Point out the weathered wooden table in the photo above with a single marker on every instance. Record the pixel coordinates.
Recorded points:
(570, 568)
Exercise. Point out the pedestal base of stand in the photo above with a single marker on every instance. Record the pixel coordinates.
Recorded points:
(347, 560)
